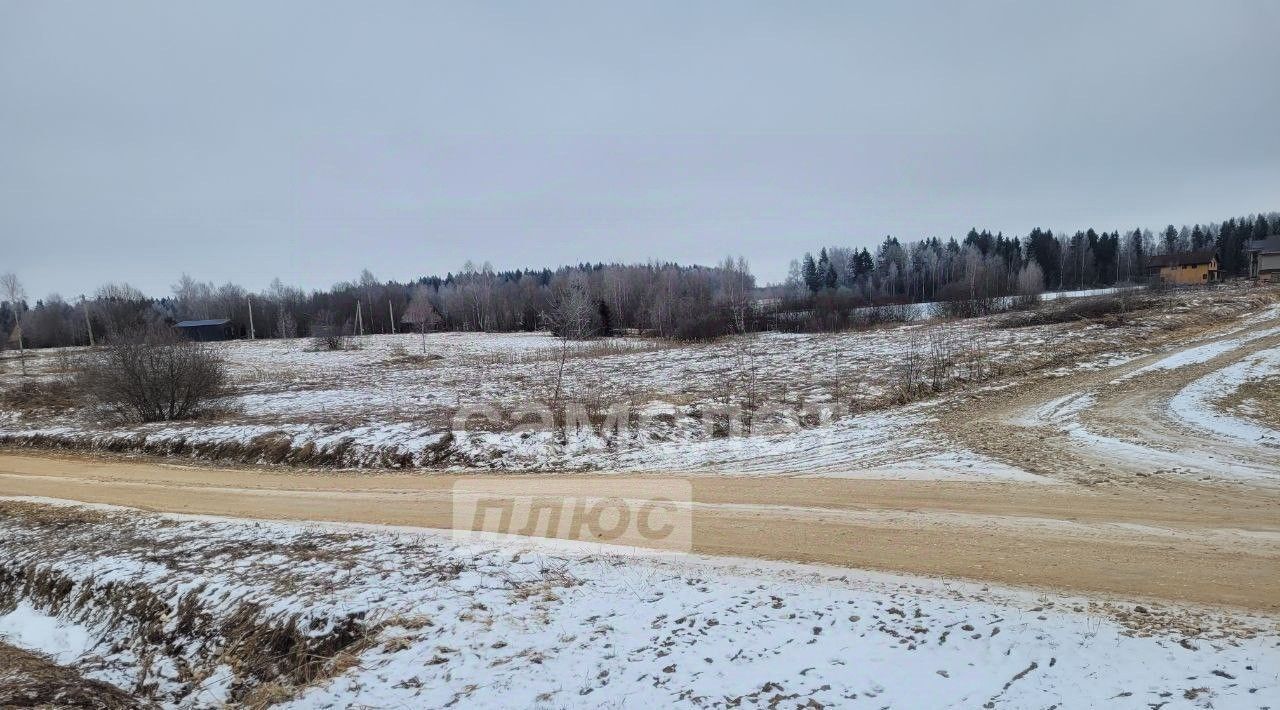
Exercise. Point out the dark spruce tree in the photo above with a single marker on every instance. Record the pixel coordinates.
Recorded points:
(1170, 239)
(809, 272)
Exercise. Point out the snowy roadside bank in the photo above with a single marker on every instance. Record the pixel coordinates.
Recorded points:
(195, 611)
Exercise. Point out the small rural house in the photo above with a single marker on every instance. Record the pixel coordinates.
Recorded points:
(1195, 267)
(207, 330)
(1264, 259)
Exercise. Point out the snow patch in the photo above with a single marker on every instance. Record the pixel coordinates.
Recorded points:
(1194, 404)
(29, 627)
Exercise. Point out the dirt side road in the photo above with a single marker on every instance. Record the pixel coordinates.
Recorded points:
(1165, 540)
(1132, 411)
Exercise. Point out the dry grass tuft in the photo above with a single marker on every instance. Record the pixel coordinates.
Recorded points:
(1258, 400)
(30, 681)
(411, 359)
(35, 395)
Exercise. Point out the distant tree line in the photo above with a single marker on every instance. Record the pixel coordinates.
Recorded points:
(663, 299)
(984, 265)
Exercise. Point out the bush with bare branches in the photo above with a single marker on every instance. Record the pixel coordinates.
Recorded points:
(154, 375)
(326, 334)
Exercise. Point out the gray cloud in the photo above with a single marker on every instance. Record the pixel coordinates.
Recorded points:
(241, 141)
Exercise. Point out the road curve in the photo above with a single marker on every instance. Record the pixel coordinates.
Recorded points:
(1115, 425)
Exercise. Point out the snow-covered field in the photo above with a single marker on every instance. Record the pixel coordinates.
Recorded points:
(195, 609)
(386, 404)
(824, 404)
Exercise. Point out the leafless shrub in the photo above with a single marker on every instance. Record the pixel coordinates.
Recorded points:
(1025, 302)
(968, 307)
(1112, 310)
(975, 362)
(738, 392)
(590, 397)
(909, 369)
(724, 414)
(12, 292)
(154, 375)
(941, 362)
(747, 364)
(703, 326)
(326, 334)
(871, 316)
(331, 341)
(66, 363)
(572, 315)
(421, 313)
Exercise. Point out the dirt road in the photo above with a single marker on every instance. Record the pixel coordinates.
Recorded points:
(1165, 540)
(1114, 425)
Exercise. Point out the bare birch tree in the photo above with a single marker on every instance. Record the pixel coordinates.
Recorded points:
(735, 291)
(421, 313)
(572, 317)
(13, 292)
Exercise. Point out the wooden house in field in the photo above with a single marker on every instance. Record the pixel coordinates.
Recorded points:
(1264, 259)
(1195, 267)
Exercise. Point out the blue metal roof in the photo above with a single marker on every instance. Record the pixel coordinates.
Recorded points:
(198, 323)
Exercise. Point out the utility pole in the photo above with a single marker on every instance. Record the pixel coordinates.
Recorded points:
(251, 334)
(392, 310)
(88, 325)
(359, 320)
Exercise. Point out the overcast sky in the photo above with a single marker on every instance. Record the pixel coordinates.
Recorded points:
(306, 140)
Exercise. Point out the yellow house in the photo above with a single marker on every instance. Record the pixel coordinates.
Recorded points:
(1195, 267)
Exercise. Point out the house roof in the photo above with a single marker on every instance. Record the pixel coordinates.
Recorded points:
(1270, 245)
(198, 323)
(1183, 259)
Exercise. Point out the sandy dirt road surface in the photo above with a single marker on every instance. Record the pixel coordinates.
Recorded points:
(1176, 541)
